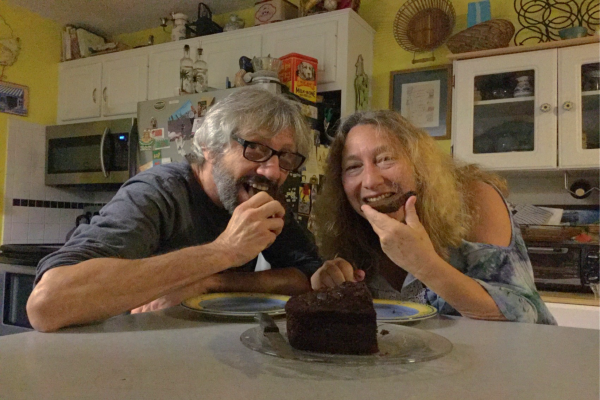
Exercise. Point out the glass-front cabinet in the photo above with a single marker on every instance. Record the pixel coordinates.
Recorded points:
(579, 106)
(528, 110)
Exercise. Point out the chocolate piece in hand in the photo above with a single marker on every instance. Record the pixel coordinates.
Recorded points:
(393, 203)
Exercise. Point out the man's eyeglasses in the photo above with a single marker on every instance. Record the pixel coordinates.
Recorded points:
(260, 153)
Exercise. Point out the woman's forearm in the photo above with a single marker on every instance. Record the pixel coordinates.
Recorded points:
(462, 292)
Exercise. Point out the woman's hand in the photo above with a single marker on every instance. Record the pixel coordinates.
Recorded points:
(407, 244)
(335, 272)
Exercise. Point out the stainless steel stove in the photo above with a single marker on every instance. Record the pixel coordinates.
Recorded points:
(17, 272)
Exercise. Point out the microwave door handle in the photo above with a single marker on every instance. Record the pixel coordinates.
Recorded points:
(104, 172)
(547, 250)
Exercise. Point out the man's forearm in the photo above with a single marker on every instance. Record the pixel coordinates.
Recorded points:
(288, 281)
(97, 289)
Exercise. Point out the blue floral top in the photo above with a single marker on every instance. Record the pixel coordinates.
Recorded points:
(504, 272)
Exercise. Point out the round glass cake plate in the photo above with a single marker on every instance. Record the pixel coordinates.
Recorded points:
(398, 344)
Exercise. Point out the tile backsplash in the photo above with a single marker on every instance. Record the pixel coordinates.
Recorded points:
(34, 212)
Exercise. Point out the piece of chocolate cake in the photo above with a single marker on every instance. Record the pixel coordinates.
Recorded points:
(340, 320)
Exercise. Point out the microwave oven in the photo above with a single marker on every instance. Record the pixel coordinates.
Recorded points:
(564, 266)
(91, 153)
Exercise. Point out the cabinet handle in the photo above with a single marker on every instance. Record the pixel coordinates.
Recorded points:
(545, 107)
(568, 105)
(94, 95)
(104, 94)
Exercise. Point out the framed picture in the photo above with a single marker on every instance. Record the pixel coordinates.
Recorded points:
(14, 99)
(424, 97)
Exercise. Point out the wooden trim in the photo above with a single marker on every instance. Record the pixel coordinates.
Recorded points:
(521, 49)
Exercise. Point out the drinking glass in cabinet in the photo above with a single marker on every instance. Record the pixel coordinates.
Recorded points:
(590, 100)
(504, 112)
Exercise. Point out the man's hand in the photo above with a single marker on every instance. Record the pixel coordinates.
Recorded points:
(335, 272)
(407, 245)
(253, 227)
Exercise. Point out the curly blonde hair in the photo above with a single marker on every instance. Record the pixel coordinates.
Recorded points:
(445, 204)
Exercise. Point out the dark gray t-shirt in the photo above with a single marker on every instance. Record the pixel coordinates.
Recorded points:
(165, 209)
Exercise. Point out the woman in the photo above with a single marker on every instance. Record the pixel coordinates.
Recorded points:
(453, 245)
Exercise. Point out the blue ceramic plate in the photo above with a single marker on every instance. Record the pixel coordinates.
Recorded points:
(237, 304)
(402, 311)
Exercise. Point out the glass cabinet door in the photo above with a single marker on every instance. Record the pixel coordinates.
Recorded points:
(579, 107)
(503, 111)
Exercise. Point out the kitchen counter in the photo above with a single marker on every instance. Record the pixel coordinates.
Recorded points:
(175, 354)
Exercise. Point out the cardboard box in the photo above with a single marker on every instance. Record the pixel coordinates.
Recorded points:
(299, 74)
(478, 12)
(268, 11)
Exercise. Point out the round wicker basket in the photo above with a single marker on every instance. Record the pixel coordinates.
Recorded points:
(492, 34)
(423, 25)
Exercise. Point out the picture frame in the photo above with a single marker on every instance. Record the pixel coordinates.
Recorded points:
(424, 97)
(14, 99)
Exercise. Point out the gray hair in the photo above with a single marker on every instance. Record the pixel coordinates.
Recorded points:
(251, 110)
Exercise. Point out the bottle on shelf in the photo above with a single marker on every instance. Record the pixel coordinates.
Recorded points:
(185, 72)
(200, 73)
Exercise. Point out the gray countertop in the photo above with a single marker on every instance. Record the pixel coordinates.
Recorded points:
(176, 354)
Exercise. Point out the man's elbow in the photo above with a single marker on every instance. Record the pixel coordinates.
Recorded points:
(40, 313)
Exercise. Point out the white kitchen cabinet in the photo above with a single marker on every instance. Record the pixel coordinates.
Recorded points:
(108, 86)
(553, 127)
(79, 90)
(163, 67)
(222, 54)
(316, 40)
(124, 84)
(102, 87)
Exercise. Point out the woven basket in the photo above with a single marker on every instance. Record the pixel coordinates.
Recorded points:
(492, 34)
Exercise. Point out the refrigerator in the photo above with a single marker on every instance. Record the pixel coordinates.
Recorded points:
(166, 126)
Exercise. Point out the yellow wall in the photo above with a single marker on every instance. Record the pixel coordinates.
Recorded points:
(36, 68)
(389, 56)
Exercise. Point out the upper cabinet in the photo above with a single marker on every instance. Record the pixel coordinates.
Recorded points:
(110, 86)
(534, 110)
(96, 88)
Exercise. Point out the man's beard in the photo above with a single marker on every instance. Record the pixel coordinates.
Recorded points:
(228, 187)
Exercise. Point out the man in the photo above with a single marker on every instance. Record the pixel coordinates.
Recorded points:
(169, 232)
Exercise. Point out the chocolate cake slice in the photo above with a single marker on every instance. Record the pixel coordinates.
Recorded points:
(339, 320)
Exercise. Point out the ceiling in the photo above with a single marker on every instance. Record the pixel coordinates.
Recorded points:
(113, 17)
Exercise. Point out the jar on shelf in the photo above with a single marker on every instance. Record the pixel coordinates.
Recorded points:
(234, 23)
(523, 87)
(178, 31)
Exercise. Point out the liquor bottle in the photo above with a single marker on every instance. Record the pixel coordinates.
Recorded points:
(185, 72)
(200, 70)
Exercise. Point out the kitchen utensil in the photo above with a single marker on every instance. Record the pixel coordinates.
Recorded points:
(492, 34)
(204, 25)
(276, 339)
(573, 32)
(266, 66)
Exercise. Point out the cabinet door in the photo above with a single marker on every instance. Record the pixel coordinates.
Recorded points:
(79, 91)
(318, 41)
(124, 83)
(504, 111)
(222, 56)
(578, 106)
(163, 69)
